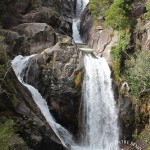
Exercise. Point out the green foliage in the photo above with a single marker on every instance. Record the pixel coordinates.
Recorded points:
(137, 73)
(6, 133)
(144, 135)
(98, 7)
(119, 50)
(147, 14)
(117, 15)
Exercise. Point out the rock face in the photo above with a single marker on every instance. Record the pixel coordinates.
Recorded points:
(126, 117)
(143, 36)
(19, 105)
(51, 72)
(100, 38)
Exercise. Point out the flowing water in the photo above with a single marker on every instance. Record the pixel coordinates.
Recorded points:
(81, 4)
(100, 130)
(19, 65)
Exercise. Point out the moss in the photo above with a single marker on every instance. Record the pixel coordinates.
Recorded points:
(78, 79)
(6, 133)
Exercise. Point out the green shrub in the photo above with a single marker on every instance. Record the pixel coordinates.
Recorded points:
(117, 15)
(147, 14)
(98, 7)
(119, 50)
(137, 73)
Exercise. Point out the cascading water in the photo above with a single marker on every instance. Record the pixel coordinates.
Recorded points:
(100, 130)
(81, 4)
(19, 64)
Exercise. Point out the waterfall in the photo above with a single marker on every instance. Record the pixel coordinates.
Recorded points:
(99, 118)
(100, 130)
(19, 64)
(76, 33)
(80, 6)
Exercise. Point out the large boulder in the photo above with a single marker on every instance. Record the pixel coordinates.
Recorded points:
(29, 38)
(52, 73)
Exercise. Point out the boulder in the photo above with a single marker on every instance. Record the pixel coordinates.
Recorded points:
(52, 73)
(29, 38)
(44, 15)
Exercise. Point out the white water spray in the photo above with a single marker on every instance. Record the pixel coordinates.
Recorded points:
(19, 64)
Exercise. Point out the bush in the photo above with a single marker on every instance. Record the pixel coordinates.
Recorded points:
(147, 14)
(118, 52)
(137, 73)
(98, 7)
(117, 16)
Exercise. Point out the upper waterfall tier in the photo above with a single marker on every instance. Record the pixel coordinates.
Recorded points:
(80, 6)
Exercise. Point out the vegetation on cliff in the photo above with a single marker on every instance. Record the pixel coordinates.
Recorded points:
(98, 7)
(117, 15)
(147, 14)
(137, 72)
